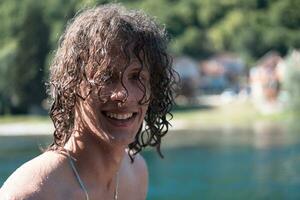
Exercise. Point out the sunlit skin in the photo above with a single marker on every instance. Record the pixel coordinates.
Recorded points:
(98, 117)
(102, 132)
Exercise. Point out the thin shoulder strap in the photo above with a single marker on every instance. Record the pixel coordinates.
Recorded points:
(77, 176)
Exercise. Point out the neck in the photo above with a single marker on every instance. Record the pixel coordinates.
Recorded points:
(96, 161)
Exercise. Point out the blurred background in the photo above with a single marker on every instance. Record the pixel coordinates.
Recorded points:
(235, 131)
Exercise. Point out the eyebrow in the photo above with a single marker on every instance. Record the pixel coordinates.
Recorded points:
(140, 71)
(138, 67)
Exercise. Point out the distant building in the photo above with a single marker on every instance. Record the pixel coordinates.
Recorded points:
(188, 70)
(221, 72)
(264, 78)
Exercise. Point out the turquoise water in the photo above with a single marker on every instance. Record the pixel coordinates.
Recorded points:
(202, 164)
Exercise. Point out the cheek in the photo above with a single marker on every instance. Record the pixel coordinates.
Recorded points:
(103, 94)
(145, 109)
(140, 91)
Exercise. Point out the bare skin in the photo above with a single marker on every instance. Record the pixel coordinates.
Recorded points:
(49, 176)
(98, 145)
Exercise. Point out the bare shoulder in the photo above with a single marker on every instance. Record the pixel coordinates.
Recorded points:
(137, 174)
(141, 170)
(30, 179)
(140, 166)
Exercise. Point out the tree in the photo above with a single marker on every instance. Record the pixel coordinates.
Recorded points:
(26, 73)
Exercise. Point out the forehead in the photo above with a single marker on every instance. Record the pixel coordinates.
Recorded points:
(122, 66)
(122, 60)
(118, 57)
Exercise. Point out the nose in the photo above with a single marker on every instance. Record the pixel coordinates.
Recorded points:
(119, 95)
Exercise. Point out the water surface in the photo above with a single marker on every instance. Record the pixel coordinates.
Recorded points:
(262, 162)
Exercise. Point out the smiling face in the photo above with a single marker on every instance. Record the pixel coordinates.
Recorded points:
(115, 112)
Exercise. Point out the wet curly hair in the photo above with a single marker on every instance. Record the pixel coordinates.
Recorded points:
(92, 41)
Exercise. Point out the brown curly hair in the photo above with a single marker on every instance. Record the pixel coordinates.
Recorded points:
(90, 43)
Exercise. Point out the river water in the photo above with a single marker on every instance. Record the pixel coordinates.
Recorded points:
(257, 162)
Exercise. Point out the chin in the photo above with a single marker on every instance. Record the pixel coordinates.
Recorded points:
(122, 138)
(115, 137)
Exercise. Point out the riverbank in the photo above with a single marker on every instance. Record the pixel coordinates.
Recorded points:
(236, 114)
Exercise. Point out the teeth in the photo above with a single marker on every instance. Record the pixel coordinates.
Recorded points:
(119, 116)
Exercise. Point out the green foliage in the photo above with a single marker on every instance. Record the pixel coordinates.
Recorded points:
(192, 42)
(292, 82)
(10, 17)
(224, 32)
(26, 71)
(211, 11)
(286, 13)
(198, 28)
(7, 56)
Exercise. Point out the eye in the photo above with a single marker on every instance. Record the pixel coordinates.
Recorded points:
(107, 79)
(135, 76)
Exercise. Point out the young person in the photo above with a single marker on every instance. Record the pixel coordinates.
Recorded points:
(110, 75)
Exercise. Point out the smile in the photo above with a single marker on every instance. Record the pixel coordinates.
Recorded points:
(119, 116)
(121, 120)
